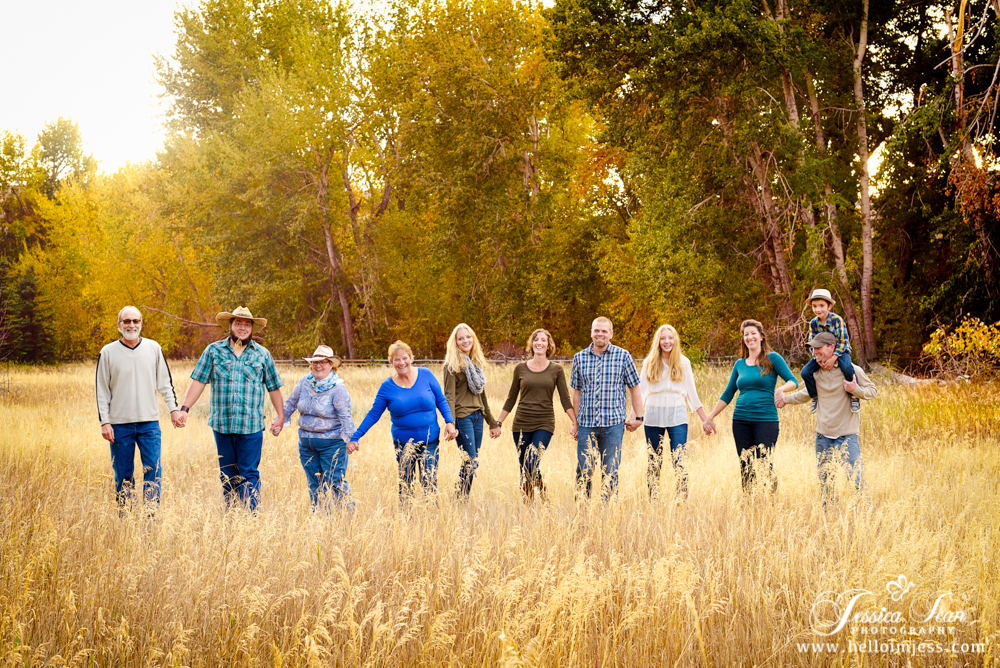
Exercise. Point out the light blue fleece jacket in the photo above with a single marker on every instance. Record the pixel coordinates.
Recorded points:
(325, 414)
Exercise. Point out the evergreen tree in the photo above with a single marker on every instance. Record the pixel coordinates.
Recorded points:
(25, 332)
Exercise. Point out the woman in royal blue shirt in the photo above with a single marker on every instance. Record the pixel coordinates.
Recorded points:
(413, 397)
(755, 419)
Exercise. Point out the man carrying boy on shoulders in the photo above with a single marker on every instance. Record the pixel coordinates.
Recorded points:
(837, 426)
(826, 320)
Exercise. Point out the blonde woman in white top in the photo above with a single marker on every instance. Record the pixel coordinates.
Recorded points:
(667, 387)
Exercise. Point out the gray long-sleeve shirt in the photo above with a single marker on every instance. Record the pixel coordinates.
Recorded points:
(128, 380)
(833, 412)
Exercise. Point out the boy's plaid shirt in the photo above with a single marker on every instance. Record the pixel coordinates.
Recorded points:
(238, 385)
(836, 326)
(602, 380)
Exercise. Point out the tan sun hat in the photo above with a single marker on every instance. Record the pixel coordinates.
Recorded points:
(323, 353)
(820, 293)
(225, 318)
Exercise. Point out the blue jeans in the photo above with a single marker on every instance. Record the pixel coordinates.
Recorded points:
(832, 453)
(754, 443)
(239, 457)
(530, 446)
(128, 437)
(599, 442)
(411, 456)
(325, 462)
(470, 440)
(845, 363)
(677, 436)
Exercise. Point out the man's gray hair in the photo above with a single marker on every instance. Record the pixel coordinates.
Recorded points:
(129, 308)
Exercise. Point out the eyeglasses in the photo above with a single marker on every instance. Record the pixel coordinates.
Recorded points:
(130, 322)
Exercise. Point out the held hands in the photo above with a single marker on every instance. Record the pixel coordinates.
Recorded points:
(178, 419)
(632, 425)
(574, 430)
(277, 425)
(708, 426)
(779, 399)
(108, 433)
(450, 431)
(353, 447)
(496, 431)
(829, 363)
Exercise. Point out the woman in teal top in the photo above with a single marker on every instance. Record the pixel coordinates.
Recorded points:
(755, 419)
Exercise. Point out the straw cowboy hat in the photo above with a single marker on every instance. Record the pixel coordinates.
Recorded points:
(323, 353)
(820, 293)
(225, 318)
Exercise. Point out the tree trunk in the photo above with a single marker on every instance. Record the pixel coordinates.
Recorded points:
(773, 246)
(772, 232)
(867, 267)
(334, 260)
(956, 37)
(850, 311)
(339, 293)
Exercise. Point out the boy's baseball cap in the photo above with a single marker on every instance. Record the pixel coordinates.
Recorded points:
(820, 293)
(823, 339)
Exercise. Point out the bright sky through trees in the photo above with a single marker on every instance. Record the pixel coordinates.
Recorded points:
(90, 61)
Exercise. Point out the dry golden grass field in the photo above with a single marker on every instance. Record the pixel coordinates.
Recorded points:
(721, 580)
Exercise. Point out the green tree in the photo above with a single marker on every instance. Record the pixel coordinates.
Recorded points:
(28, 332)
(285, 162)
(20, 185)
(60, 154)
(492, 151)
(708, 95)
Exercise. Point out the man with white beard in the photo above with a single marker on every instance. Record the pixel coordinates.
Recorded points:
(130, 372)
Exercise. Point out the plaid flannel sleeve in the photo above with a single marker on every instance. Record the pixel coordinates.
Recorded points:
(813, 328)
(203, 369)
(576, 375)
(272, 381)
(631, 376)
(843, 338)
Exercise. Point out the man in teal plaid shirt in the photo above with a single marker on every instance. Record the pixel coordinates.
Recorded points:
(239, 371)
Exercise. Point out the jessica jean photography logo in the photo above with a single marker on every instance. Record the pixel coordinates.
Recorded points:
(898, 622)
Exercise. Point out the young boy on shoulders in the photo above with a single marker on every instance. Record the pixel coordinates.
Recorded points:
(826, 320)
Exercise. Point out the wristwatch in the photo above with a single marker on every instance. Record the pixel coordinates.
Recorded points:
(639, 418)
(185, 409)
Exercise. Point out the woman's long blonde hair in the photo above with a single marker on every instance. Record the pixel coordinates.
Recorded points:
(453, 355)
(652, 367)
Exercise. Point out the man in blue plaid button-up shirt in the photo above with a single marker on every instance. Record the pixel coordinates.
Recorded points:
(601, 373)
(239, 371)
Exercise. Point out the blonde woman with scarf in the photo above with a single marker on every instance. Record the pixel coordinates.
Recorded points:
(667, 387)
(464, 382)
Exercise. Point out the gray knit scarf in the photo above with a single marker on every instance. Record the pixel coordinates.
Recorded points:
(474, 375)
